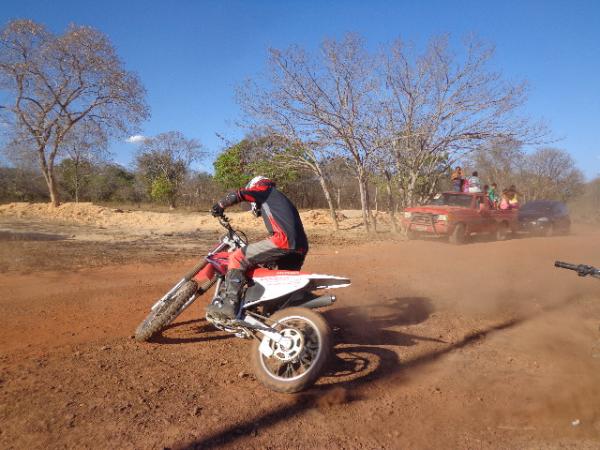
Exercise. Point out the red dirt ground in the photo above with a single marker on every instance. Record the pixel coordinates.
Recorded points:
(486, 345)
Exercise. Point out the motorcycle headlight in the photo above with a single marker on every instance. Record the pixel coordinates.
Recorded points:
(407, 214)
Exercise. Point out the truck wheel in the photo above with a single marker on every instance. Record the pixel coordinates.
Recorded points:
(459, 234)
(502, 231)
(411, 235)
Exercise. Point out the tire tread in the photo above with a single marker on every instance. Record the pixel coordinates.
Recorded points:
(155, 322)
(287, 387)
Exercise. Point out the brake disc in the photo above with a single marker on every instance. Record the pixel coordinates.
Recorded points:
(289, 352)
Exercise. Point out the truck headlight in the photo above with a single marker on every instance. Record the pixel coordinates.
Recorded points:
(442, 218)
(407, 214)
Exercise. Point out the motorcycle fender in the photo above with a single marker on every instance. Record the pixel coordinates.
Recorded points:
(321, 281)
(269, 288)
(265, 348)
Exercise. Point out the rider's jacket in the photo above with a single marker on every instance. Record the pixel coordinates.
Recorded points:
(278, 212)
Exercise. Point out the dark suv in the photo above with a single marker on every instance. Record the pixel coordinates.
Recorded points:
(545, 217)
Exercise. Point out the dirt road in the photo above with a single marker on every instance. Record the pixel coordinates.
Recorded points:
(480, 346)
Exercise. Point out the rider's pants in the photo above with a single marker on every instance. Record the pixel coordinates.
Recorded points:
(264, 252)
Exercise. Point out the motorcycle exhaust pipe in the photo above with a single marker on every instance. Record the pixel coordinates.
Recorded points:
(319, 302)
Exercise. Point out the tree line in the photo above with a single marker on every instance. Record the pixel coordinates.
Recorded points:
(341, 127)
(399, 115)
(163, 178)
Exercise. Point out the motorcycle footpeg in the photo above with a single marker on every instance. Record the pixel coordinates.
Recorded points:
(240, 323)
(220, 318)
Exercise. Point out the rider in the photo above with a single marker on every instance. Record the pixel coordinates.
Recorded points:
(287, 245)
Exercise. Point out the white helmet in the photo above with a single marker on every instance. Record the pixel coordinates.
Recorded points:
(254, 181)
(255, 208)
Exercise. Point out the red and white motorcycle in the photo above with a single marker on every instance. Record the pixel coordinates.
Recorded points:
(292, 343)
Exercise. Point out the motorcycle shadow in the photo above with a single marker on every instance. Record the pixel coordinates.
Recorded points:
(189, 332)
(360, 332)
(374, 323)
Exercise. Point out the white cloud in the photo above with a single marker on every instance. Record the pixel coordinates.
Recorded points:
(136, 139)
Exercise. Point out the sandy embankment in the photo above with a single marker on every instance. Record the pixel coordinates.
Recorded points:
(89, 214)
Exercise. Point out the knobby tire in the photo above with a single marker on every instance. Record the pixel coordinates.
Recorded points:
(166, 313)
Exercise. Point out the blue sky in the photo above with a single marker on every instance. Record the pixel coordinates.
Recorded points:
(192, 54)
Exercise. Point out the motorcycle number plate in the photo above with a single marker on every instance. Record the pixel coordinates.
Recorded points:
(265, 347)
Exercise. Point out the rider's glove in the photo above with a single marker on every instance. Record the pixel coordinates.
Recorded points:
(217, 210)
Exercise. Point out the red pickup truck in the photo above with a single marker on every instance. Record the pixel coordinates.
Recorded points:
(458, 215)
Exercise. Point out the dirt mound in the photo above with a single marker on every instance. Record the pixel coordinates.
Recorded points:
(78, 212)
(85, 213)
(316, 217)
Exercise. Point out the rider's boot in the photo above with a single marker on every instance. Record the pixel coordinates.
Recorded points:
(227, 307)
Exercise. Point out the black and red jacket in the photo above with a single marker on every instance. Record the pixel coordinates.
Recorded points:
(279, 213)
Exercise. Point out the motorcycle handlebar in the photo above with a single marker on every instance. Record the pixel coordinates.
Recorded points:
(581, 269)
(224, 221)
(564, 265)
(240, 236)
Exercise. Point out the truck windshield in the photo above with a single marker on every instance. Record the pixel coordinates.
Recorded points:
(461, 200)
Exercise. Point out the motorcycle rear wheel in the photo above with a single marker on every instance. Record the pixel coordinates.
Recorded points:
(165, 313)
(286, 371)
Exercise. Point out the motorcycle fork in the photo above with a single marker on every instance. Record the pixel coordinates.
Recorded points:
(168, 294)
(195, 295)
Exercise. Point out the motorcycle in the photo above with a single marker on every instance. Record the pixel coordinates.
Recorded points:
(291, 341)
(581, 269)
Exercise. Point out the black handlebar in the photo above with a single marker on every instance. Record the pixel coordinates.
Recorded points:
(224, 221)
(564, 265)
(581, 269)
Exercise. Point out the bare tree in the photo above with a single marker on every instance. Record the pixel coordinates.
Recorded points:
(551, 173)
(296, 155)
(441, 106)
(280, 158)
(383, 168)
(340, 176)
(61, 82)
(500, 161)
(309, 156)
(200, 190)
(164, 161)
(84, 146)
(325, 101)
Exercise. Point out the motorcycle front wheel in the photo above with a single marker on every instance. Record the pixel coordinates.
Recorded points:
(168, 310)
(297, 366)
